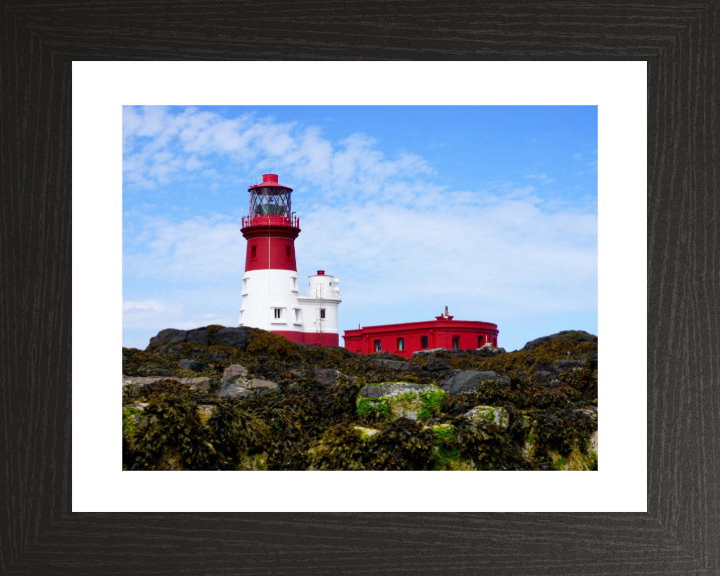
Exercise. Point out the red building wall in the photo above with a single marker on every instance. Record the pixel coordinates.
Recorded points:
(440, 334)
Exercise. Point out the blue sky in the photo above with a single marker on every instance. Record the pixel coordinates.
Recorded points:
(490, 210)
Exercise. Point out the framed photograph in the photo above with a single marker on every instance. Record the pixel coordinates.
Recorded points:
(653, 511)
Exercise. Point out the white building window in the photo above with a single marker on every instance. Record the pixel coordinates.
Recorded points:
(322, 313)
(245, 284)
(293, 284)
(242, 316)
(298, 317)
(277, 313)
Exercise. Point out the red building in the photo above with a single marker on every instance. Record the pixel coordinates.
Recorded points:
(404, 339)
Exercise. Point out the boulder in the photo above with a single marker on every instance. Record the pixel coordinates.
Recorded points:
(498, 416)
(169, 335)
(400, 400)
(469, 380)
(236, 386)
(198, 336)
(231, 337)
(392, 364)
(233, 373)
(194, 365)
(326, 375)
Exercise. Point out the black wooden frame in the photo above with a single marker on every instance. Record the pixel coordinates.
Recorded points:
(680, 533)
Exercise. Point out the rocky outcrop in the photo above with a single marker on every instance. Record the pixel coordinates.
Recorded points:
(168, 336)
(231, 337)
(169, 340)
(576, 335)
(470, 380)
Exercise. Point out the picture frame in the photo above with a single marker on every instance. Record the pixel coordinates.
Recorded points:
(678, 535)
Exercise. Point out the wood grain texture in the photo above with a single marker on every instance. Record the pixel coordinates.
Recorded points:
(681, 532)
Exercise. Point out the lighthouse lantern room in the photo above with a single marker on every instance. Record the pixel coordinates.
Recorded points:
(271, 299)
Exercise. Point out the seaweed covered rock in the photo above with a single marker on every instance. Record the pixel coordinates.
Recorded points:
(199, 336)
(560, 439)
(231, 337)
(498, 416)
(168, 336)
(392, 364)
(242, 387)
(140, 381)
(233, 373)
(401, 400)
(326, 375)
(277, 405)
(576, 335)
(470, 380)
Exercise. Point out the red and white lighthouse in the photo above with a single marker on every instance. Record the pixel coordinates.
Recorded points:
(271, 299)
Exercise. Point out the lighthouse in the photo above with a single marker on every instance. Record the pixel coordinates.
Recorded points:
(271, 298)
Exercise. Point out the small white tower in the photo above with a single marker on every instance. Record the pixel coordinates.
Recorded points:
(320, 310)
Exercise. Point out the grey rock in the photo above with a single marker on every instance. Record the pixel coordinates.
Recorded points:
(392, 364)
(498, 416)
(566, 365)
(232, 337)
(196, 353)
(198, 336)
(469, 380)
(171, 349)
(200, 382)
(169, 335)
(233, 373)
(542, 367)
(241, 387)
(186, 364)
(428, 351)
(326, 375)
(217, 357)
(257, 383)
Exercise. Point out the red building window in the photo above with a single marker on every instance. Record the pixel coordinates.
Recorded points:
(401, 344)
(377, 346)
(287, 252)
(480, 342)
(253, 252)
(424, 341)
(456, 343)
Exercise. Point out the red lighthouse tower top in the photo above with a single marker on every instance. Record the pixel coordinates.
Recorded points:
(270, 204)
(271, 227)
